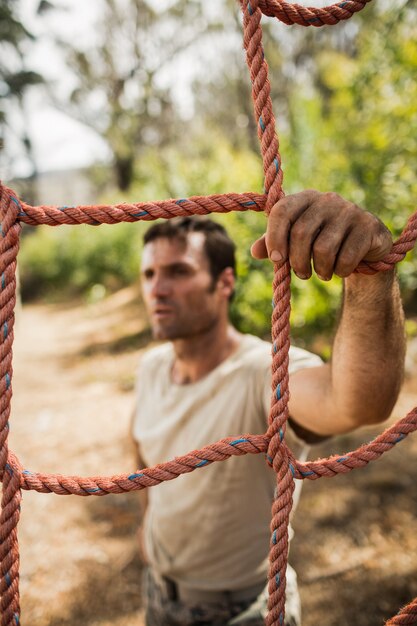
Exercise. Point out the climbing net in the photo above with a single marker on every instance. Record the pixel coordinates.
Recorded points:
(287, 468)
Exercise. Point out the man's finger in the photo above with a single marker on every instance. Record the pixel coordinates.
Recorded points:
(283, 215)
(352, 252)
(258, 249)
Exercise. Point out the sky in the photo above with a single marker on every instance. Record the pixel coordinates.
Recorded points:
(59, 141)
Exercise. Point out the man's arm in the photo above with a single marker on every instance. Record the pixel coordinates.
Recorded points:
(361, 383)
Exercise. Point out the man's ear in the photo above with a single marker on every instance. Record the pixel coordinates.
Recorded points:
(226, 282)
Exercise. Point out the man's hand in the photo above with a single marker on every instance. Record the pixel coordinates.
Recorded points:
(336, 234)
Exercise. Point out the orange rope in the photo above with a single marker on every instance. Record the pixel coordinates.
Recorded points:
(287, 468)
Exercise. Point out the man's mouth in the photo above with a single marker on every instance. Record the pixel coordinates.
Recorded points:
(162, 311)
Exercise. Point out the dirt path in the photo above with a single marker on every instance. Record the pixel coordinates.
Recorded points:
(356, 536)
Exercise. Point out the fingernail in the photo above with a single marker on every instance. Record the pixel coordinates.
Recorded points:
(276, 256)
(326, 279)
(302, 276)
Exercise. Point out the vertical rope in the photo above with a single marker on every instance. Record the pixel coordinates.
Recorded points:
(277, 455)
(9, 469)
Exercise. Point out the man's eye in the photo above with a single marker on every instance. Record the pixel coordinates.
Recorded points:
(181, 271)
(148, 275)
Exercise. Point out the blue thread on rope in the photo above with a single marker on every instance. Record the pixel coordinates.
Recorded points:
(7, 377)
(261, 123)
(5, 330)
(9, 469)
(93, 490)
(313, 19)
(273, 303)
(292, 469)
(236, 441)
(250, 203)
(16, 619)
(274, 537)
(1, 230)
(3, 281)
(342, 4)
(8, 579)
(250, 9)
(141, 214)
(63, 208)
(181, 200)
(274, 347)
(133, 476)
(17, 203)
(281, 434)
(276, 163)
(278, 580)
(269, 458)
(202, 463)
(278, 392)
(306, 473)
(281, 618)
(341, 459)
(400, 438)
(27, 472)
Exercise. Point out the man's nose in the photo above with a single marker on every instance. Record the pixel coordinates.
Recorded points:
(160, 287)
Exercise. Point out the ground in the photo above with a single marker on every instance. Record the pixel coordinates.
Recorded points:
(355, 546)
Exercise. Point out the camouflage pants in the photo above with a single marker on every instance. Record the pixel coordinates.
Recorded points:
(162, 611)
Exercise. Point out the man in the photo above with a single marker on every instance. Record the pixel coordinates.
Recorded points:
(206, 534)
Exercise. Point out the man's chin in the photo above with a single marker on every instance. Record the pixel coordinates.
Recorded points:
(164, 334)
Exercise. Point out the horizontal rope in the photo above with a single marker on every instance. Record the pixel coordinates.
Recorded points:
(142, 211)
(94, 215)
(142, 478)
(215, 452)
(311, 16)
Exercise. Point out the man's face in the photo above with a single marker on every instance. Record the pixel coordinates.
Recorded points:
(179, 293)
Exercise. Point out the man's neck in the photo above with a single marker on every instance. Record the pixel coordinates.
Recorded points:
(197, 356)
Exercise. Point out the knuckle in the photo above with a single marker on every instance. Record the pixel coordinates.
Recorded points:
(331, 196)
(299, 231)
(322, 249)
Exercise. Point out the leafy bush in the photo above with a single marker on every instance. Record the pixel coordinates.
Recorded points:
(68, 261)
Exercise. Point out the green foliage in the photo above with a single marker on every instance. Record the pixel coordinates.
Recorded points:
(70, 260)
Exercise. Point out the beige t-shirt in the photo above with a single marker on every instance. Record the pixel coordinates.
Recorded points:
(210, 529)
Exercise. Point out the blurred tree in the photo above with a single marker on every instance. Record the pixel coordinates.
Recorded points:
(15, 77)
(118, 91)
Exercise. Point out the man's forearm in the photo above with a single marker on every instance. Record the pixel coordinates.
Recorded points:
(368, 353)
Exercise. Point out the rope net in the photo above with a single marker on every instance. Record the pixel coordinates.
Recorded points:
(287, 468)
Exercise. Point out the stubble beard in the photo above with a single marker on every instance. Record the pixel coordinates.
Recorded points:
(183, 329)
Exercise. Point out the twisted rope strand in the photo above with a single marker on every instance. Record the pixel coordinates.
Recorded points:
(143, 211)
(11, 496)
(277, 457)
(218, 451)
(406, 616)
(147, 477)
(311, 16)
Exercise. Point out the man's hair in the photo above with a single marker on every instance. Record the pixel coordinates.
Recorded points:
(218, 247)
